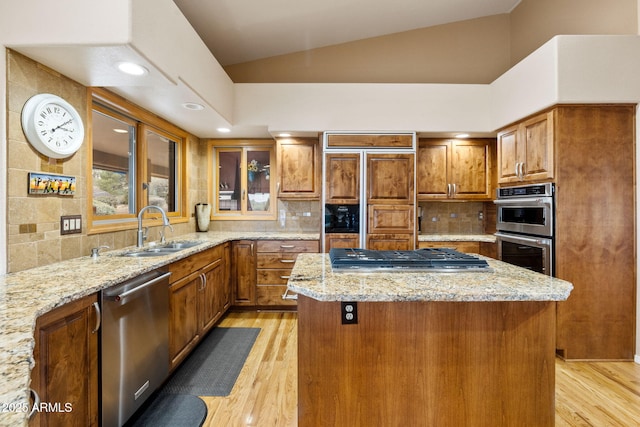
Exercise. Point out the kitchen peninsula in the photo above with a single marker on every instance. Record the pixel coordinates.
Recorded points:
(425, 349)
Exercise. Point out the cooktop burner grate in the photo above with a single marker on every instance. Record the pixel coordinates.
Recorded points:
(427, 259)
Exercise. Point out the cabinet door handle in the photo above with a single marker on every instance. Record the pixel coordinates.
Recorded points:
(252, 249)
(203, 280)
(517, 170)
(96, 307)
(453, 192)
(243, 193)
(522, 170)
(448, 190)
(36, 401)
(287, 261)
(285, 277)
(287, 246)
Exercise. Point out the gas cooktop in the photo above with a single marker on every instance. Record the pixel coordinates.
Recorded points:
(427, 259)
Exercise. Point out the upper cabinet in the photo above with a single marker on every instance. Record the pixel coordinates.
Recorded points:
(525, 150)
(299, 170)
(390, 178)
(455, 169)
(240, 177)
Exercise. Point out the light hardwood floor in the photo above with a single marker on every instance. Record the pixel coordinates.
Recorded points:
(602, 394)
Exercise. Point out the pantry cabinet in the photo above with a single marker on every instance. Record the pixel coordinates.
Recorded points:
(525, 150)
(457, 169)
(66, 364)
(198, 295)
(299, 169)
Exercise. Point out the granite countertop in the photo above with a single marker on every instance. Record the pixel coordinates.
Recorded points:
(28, 294)
(486, 238)
(313, 276)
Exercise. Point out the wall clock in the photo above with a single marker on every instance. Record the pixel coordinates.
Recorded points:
(52, 126)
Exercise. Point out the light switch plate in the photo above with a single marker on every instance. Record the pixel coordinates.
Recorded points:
(71, 224)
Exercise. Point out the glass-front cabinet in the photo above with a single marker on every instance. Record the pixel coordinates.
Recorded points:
(241, 181)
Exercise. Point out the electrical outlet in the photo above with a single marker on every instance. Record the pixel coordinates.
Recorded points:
(349, 313)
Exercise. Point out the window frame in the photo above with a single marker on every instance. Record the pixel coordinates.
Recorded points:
(243, 146)
(108, 103)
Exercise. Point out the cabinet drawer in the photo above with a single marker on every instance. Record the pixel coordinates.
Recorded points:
(288, 246)
(272, 295)
(184, 267)
(276, 260)
(466, 247)
(273, 276)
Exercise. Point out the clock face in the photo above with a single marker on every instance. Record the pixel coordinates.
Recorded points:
(52, 126)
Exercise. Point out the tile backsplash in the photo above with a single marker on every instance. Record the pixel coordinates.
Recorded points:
(299, 217)
(452, 218)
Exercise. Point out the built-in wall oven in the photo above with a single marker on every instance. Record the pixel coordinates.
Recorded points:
(525, 226)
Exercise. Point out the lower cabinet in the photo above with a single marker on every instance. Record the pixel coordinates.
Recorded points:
(199, 295)
(275, 259)
(66, 364)
(341, 240)
(261, 270)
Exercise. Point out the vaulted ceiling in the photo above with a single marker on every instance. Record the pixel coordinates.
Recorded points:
(238, 31)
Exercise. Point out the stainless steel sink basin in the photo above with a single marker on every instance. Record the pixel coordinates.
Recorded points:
(166, 249)
(181, 245)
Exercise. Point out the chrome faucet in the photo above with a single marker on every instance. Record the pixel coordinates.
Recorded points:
(142, 235)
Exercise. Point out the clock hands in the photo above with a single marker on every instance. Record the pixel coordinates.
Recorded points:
(62, 124)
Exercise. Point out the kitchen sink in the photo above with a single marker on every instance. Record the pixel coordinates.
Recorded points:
(181, 245)
(166, 249)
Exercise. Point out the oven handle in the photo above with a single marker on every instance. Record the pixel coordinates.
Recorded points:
(539, 241)
(522, 201)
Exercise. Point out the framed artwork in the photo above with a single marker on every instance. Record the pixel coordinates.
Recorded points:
(51, 184)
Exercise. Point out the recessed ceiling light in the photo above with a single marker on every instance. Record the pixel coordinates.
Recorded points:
(193, 106)
(284, 134)
(223, 130)
(462, 135)
(120, 130)
(132, 69)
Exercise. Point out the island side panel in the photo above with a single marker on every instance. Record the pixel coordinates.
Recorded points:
(427, 364)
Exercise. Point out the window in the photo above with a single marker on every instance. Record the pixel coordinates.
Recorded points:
(136, 160)
(242, 184)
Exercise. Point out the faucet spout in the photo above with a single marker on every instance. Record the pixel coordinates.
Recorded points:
(141, 234)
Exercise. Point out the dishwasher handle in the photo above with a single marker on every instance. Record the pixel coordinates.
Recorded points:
(143, 285)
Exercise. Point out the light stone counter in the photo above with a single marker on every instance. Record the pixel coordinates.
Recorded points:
(28, 294)
(484, 238)
(313, 276)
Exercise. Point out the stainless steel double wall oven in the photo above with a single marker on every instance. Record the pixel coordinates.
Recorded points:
(525, 226)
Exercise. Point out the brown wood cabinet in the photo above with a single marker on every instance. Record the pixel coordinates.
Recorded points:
(299, 168)
(595, 212)
(66, 364)
(369, 140)
(390, 201)
(390, 178)
(589, 152)
(525, 150)
(342, 184)
(243, 261)
(455, 169)
(341, 240)
(275, 259)
(423, 363)
(198, 297)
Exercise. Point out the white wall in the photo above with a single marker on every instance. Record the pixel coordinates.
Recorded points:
(3, 160)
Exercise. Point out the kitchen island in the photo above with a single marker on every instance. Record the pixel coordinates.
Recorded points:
(426, 349)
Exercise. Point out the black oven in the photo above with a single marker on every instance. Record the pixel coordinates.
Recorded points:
(525, 226)
(341, 218)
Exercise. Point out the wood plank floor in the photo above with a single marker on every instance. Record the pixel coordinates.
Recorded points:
(602, 394)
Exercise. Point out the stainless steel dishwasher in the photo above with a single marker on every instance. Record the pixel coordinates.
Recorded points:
(134, 344)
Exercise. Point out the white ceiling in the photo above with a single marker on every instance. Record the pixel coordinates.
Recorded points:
(238, 31)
